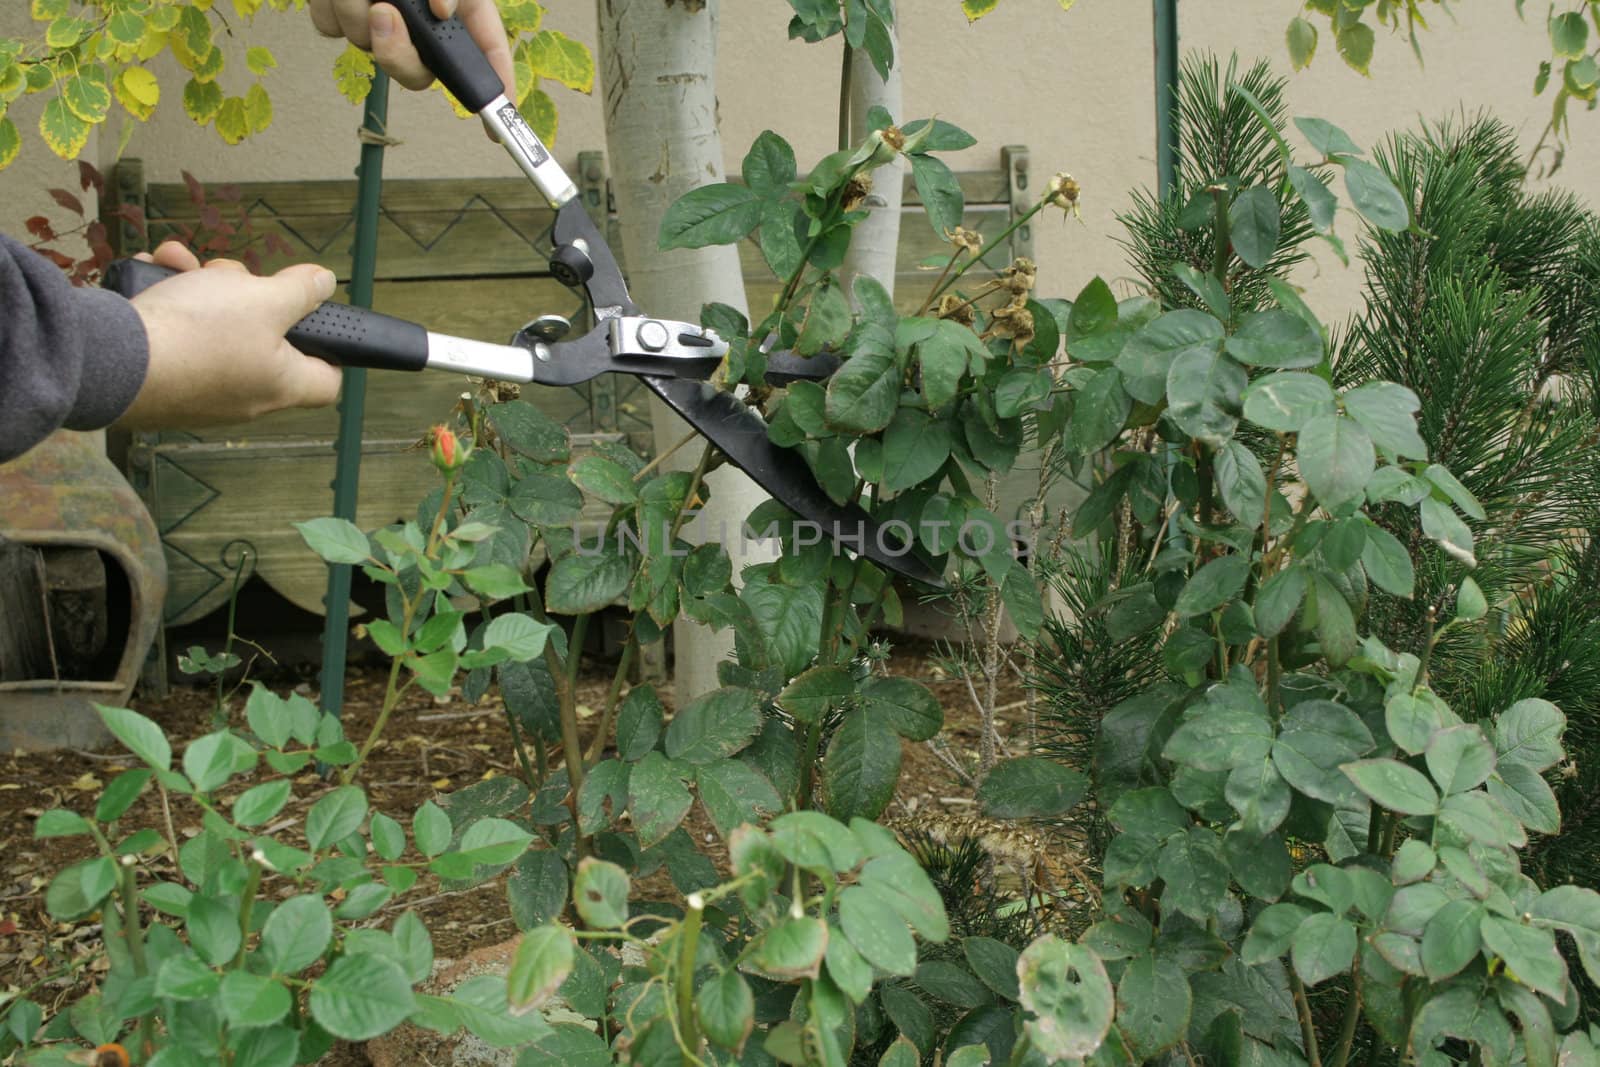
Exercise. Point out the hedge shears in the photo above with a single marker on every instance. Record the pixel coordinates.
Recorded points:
(673, 359)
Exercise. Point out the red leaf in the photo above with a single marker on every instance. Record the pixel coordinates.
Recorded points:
(40, 227)
(277, 245)
(197, 192)
(210, 217)
(67, 200)
(8, 928)
(252, 260)
(218, 243)
(230, 192)
(89, 175)
(55, 257)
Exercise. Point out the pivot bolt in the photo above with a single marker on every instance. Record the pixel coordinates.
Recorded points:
(653, 336)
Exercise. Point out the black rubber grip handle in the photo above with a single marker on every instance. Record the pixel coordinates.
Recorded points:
(449, 51)
(343, 335)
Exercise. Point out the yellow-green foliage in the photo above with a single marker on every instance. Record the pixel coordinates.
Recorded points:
(93, 56)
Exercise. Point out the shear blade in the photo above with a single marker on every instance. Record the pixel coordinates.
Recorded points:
(742, 436)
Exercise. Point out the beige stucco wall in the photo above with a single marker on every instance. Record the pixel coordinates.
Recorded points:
(1076, 88)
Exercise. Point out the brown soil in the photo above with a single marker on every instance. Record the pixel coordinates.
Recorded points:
(431, 748)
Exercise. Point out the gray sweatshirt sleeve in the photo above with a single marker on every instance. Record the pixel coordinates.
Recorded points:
(68, 357)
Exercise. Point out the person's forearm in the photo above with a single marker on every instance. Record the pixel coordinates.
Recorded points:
(68, 357)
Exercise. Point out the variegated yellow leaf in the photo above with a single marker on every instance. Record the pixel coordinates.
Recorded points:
(64, 132)
(520, 16)
(87, 92)
(352, 73)
(558, 57)
(540, 111)
(10, 143)
(976, 9)
(232, 122)
(260, 60)
(257, 109)
(139, 91)
(125, 28)
(202, 100)
(65, 32)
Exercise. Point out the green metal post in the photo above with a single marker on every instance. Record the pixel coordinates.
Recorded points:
(353, 397)
(1166, 39)
(1166, 64)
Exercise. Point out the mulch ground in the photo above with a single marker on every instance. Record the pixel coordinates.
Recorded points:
(431, 747)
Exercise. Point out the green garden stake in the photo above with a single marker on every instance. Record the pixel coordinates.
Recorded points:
(1166, 52)
(1166, 62)
(353, 397)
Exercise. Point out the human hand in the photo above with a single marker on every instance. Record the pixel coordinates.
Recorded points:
(379, 29)
(217, 347)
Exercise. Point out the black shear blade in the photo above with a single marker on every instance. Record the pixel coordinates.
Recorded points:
(741, 435)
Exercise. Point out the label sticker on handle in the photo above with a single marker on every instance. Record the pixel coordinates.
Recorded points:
(517, 127)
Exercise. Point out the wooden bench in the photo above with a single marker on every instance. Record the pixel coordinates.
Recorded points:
(463, 256)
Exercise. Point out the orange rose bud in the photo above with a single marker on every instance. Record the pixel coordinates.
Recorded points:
(449, 454)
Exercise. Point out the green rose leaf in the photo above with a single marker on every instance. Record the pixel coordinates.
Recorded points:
(1287, 401)
(1153, 1004)
(909, 708)
(1394, 785)
(1213, 585)
(1276, 339)
(600, 893)
(335, 540)
(715, 725)
(861, 767)
(1030, 787)
(361, 997)
(716, 214)
(335, 817)
(296, 933)
(1204, 392)
(1322, 946)
(1253, 225)
(1336, 458)
(1065, 989)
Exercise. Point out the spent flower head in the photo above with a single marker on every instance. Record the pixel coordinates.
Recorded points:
(1063, 192)
(964, 239)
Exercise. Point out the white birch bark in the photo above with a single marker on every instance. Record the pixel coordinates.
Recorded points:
(876, 242)
(658, 73)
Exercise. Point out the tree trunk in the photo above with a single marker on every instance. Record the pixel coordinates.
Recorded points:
(658, 74)
(875, 245)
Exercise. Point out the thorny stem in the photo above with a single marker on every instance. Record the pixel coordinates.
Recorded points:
(1308, 1028)
(1352, 1017)
(219, 714)
(1224, 245)
(688, 947)
(598, 744)
(1430, 620)
(166, 816)
(391, 693)
(844, 96)
(391, 697)
(247, 904)
(992, 620)
(939, 281)
(999, 241)
(534, 781)
(663, 457)
(517, 745)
